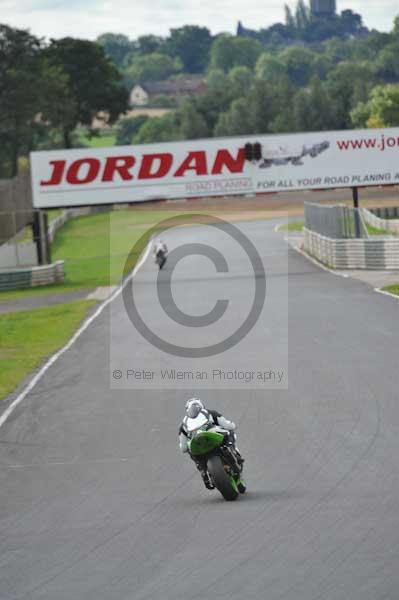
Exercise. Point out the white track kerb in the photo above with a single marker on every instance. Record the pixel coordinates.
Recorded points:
(35, 380)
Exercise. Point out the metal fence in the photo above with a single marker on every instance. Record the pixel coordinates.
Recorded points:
(16, 200)
(18, 246)
(385, 225)
(386, 212)
(337, 222)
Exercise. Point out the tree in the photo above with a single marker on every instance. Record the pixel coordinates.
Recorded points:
(240, 80)
(158, 129)
(387, 65)
(247, 52)
(191, 44)
(337, 50)
(95, 83)
(152, 67)
(236, 121)
(351, 22)
(381, 110)
(127, 128)
(302, 15)
(21, 93)
(148, 44)
(217, 81)
(192, 123)
(264, 104)
(347, 85)
(269, 67)
(228, 52)
(216, 100)
(298, 62)
(312, 108)
(289, 17)
(322, 65)
(116, 46)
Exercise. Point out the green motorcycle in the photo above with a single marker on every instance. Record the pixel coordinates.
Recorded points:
(210, 443)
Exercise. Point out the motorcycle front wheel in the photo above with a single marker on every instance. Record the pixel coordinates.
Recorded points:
(223, 482)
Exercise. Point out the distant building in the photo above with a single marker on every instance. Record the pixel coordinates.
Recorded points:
(143, 93)
(240, 29)
(323, 8)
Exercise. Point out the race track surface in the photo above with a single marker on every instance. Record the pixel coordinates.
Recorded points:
(97, 503)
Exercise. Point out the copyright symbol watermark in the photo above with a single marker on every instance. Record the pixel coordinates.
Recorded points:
(165, 295)
(117, 374)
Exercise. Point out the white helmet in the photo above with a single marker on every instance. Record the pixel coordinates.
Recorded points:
(194, 407)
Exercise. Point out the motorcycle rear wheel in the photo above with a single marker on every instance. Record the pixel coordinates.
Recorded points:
(221, 479)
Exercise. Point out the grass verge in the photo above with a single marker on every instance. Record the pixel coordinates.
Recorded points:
(392, 289)
(95, 247)
(84, 244)
(295, 226)
(375, 231)
(27, 338)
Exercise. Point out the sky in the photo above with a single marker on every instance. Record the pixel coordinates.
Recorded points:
(89, 18)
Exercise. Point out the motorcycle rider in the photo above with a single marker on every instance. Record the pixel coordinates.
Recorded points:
(194, 407)
(160, 248)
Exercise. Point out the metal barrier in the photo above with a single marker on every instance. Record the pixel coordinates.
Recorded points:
(371, 254)
(386, 212)
(18, 248)
(337, 222)
(373, 218)
(25, 237)
(15, 198)
(28, 277)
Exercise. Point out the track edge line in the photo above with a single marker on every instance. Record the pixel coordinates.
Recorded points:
(50, 361)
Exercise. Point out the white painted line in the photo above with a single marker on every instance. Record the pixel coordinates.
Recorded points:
(34, 381)
(384, 293)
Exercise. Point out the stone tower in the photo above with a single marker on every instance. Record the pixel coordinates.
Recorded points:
(323, 8)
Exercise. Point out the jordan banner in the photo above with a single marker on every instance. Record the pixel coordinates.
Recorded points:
(215, 167)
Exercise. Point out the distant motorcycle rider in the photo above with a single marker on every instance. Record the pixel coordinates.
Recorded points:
(160, 253)
(195, 407)
(160, 246)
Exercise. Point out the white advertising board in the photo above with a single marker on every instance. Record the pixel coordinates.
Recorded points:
(215, 167)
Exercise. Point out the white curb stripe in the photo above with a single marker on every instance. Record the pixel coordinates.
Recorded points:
(384, 293)
(82, 328)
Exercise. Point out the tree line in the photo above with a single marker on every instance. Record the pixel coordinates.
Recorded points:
(339, 83)
(46, 90)
(283, 79)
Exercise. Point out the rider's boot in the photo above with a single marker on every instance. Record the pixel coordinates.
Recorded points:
(240, 459)
(242, 488)
(206, 479)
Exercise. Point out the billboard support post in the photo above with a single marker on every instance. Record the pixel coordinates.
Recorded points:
(40, 237)
(355, 195)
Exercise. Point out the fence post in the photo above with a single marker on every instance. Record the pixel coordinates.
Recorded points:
(355, 194)
(46, 238)
(40, 237)
(14, 238)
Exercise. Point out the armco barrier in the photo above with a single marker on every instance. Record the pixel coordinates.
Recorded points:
(57, 223)
(391, 225)
(12, 279)
(372, 254)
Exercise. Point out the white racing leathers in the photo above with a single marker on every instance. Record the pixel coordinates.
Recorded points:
(205, 416)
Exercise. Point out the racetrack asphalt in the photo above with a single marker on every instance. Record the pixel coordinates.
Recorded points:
(97, 503)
